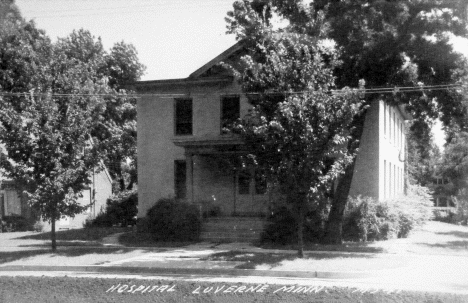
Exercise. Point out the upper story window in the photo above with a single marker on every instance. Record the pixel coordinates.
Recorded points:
(183, 116)
(230, 112)
(385, 119)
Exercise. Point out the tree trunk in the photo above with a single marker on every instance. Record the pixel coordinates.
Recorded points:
(300, 208)
(300, 232)
(334, 227)
(53, 236)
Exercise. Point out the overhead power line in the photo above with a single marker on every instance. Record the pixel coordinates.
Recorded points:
(124, 10)
(377, 90)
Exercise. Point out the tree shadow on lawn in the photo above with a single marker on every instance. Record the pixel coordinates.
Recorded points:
(357, 247)
(134, 239)
(11, 256)
(251, 260)
(454, 245)
(80, 234)
(459, 234)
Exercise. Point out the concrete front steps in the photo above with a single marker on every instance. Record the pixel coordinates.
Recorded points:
(232, 229)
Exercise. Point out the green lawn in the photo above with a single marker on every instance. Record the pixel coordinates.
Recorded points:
(71, 290)
(82, 234)
(134, 239)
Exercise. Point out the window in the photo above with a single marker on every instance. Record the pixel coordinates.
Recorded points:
(244, 183)
(385, 119)
(390, 122)
(451, 203)
(401, 135)
(180, 179)
(230, 112)
(183, 116)
(260, 184)
(442, 202)
(385, 178)
(398, 132)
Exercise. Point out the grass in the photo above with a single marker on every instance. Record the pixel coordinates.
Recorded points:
(345, 247)
(134, 239)
(251, 260)
(69, 289)
(82, 234)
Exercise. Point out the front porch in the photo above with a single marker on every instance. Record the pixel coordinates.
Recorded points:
(212, 176)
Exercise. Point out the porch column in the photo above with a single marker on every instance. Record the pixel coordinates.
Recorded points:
(190, 190)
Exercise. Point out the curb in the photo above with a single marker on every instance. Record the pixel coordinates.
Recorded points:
(191, 271)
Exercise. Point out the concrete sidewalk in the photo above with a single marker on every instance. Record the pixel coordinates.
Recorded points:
(432, 259)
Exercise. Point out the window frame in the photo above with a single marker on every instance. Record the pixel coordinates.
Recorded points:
(222, 107)
(176, 117)
(177, 187)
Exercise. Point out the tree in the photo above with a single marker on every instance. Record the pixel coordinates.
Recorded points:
(55, 99)
(423, 157)
(386, 43)
(117, 129)
(454, 167)
(297, 131)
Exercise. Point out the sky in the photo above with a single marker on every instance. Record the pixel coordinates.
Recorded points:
(173, 37)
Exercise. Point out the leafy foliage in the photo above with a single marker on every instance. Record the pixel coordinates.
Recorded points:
(297, 140)
(369, 220)
(121, 209)
(386, 43)
(282, 227)
(59, 114)
(16, 223)
(423, 157)
(454, 167)
(172, 220)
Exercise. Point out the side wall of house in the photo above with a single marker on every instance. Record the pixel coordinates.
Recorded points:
(379, 170)
(366, 170)
(392, 142)
(156, 151)
(102, 185)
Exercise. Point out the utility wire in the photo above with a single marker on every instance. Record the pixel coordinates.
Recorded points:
(160, 4)
(139, 9)
(381, 90)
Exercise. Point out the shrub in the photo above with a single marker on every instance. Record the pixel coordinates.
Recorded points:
(38, 226)
(446, 216)
(367, 220)
(16, 223)
(282, 227)
(121, 209)
(458, 215)
(172, 220)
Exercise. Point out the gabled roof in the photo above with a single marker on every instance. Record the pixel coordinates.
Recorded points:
(218, 59)
(208, 74)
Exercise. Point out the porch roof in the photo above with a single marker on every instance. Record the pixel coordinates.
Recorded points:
(210, 144)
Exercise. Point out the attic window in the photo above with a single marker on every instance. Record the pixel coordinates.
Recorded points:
(230, 112)
(183, 116)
